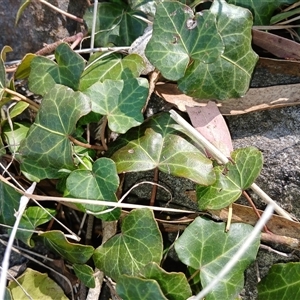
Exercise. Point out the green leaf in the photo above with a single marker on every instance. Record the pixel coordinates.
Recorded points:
(173, 285)
(205, 246)
(129, 287)
(47, 148)
(146, 6)
(32, 218)
(262, 10)
(4, 50)
(156, 144)
(281, 283)
(18, 109)
(23, 69)
(45, 73)
(101, 183)
(85, 274)
(29, 281)
(115, 24)
(179, 37)
(9, 204)
(139, 243)
(14, 137)
(74, 253)
(111, 67)
(284, 15)
(229, 76)
(231, 180)
(22, 7)
(121, 101)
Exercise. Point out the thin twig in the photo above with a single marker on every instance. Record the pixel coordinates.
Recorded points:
(218, 155)
(68, 15)
(34, 106)
(154, 187)
(88, 146)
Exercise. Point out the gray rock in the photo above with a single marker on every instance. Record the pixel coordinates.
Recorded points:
(38, 25)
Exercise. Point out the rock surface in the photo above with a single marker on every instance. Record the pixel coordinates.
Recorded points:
(38, 25)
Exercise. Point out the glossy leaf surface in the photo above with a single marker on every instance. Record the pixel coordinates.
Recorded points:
(47, 148)
(121, 101)
(86, 274)
(231, 180)
(229, 76)
(157, 144)
(281, 283)
(205, 246)
(45, 73)
(179, 37)
(139, 243)
(100, 183)
(74, 253)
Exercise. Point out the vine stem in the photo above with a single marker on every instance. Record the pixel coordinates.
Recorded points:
(220, 157)
(70, 16)
(34, 106)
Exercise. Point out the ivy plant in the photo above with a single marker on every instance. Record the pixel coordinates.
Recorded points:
(208, 54)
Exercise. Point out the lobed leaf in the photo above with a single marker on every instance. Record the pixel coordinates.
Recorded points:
(101, 183)
(32, 218)
(205, 246)
(115, 24)
(281, 283)
(139, 243)
(113, 67)
(231, 179)
(230, 74)
(45, 73)
(74, 253)
(121, 101)
(155, 144)
(180, 37)
(47, 148)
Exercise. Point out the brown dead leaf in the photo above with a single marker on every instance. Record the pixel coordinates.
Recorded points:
(245, 214)
(255, 99)
(275, 44)
(211, 124)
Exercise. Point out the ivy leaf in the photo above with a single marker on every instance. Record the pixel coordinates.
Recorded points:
(229, 76)
(14, 137)
(45, 73)
(111, 67)
(174, 285)
(179, 37)
(262, 10)
(156, 144)
(121, 101)
(74, 253)
(32, 218)
(9, 204)
(101, 183)
(115, 24)
(139, 243)
(205, 246)
(29, 281)
(47, 148)
(281, 283)
(23, 69)
(86, 274)
(129, 287)
(231, 180)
